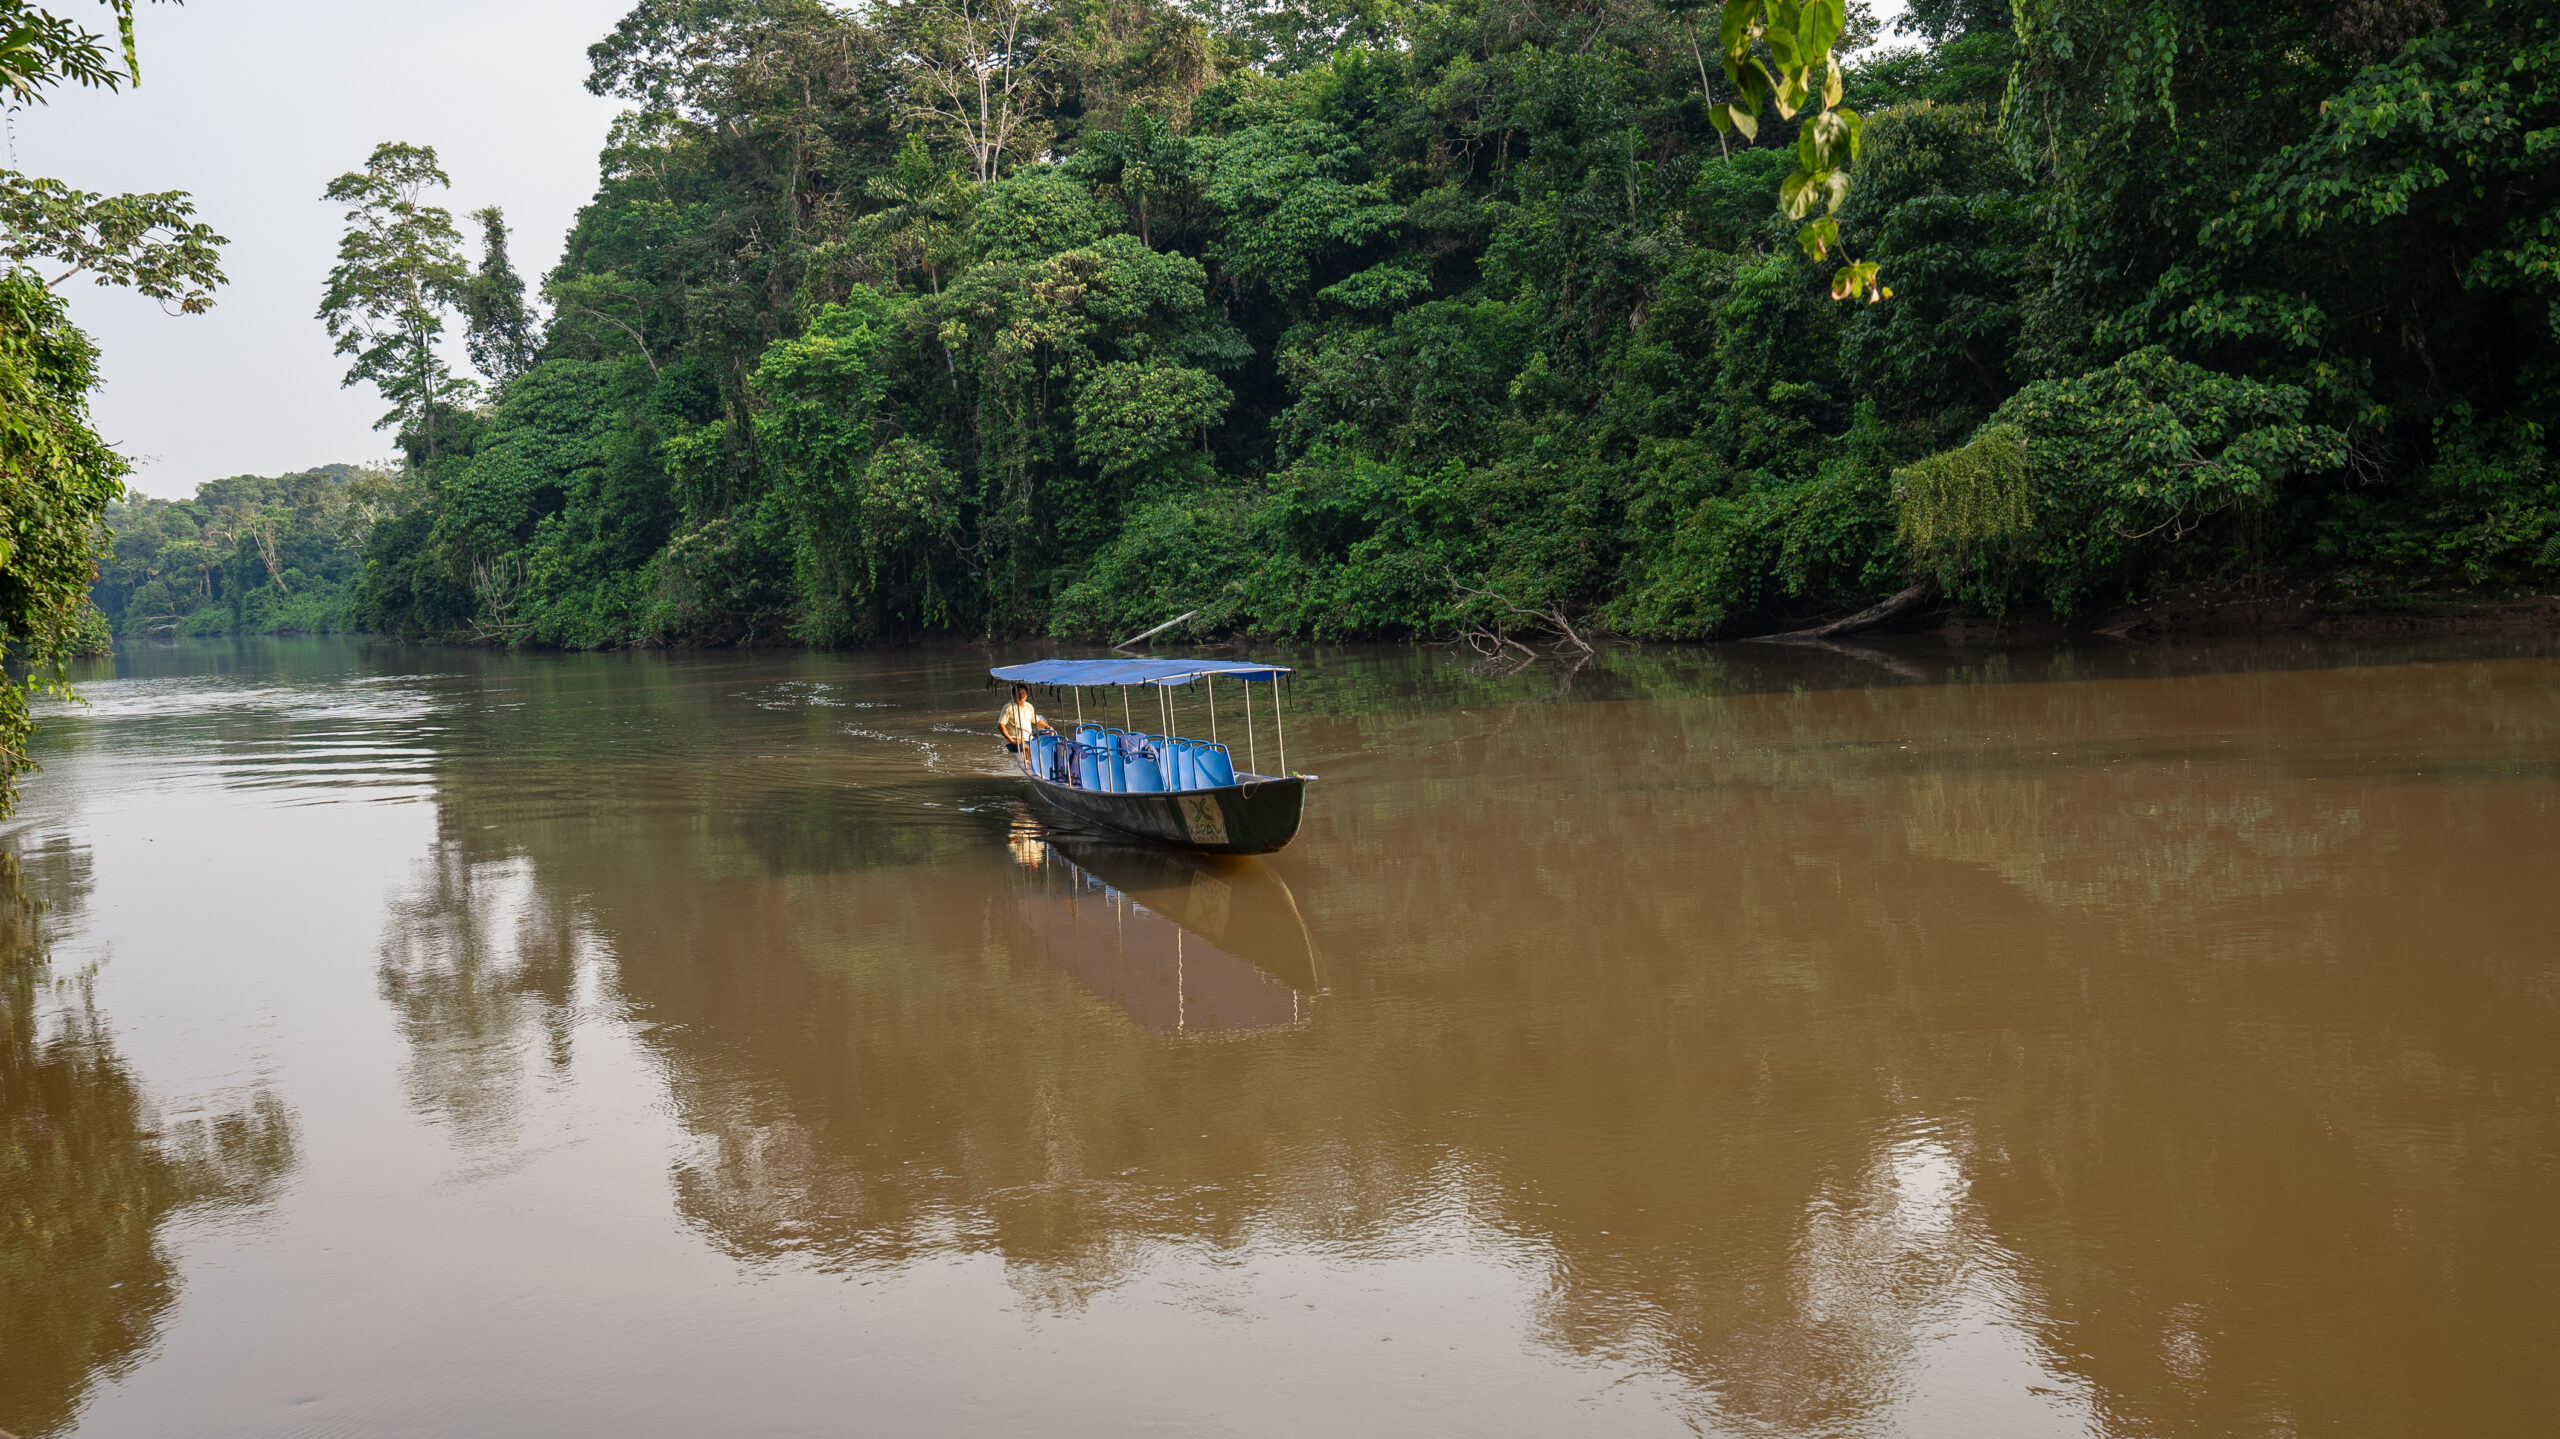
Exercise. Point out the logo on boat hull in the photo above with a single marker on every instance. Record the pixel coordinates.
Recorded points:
(1202, 817)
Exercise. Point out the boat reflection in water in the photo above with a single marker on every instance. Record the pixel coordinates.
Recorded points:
(1189, 944)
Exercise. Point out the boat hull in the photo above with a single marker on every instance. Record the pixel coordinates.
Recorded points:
(1256, 816)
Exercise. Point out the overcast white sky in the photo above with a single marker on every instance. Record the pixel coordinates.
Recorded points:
(254, 106)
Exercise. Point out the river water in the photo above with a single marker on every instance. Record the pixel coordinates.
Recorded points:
(1891, 1040)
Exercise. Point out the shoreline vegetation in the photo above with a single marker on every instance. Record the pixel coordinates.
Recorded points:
(1362, 324)
(243, 555)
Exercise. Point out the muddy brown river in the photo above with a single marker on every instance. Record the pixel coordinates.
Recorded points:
(1885, 1040)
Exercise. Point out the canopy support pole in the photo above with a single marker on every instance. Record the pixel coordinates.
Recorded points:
(1127, 720)
(1279, 724)
(1164, 707)
(1212, 682)
(1079, 689)
(1252, 765)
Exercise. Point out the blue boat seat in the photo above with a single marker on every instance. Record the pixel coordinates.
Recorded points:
(1115, 761)
(1142, 766)
(1159, 749)
(1217, 767)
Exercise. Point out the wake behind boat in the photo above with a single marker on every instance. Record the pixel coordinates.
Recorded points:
(1168, 787)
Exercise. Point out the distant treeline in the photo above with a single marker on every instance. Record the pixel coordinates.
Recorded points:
(1331, 320)
(247, 555)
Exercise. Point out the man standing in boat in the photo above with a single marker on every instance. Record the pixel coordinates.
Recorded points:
(1019, 720)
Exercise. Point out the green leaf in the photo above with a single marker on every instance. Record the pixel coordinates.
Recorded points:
(1821, 26)
(1741, 19)
(1795, 195)
(1858, 278)
(1782, 49)
(1824, 142)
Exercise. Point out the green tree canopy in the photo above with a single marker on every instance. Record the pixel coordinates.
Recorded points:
(1342, 321)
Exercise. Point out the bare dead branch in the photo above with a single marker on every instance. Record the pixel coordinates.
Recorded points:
(1554, 619)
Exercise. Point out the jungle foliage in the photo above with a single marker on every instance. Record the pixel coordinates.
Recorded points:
(246, 555)
(1385, 321)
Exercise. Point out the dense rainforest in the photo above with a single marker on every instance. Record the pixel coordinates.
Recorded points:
(1067, 316)
(250, 554)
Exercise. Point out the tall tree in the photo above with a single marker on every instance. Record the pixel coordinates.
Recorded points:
(977, 70)
(500, 327)
(400, 271)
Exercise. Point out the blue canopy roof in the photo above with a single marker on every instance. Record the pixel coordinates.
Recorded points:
(1134, 671)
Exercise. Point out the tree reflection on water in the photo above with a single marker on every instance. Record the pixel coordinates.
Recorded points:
(90, 1174)
(1836, 1051)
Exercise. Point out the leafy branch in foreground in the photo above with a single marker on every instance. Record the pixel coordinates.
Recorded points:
(148, 243)
(56, 477)
(39, 50)
(1773, 52)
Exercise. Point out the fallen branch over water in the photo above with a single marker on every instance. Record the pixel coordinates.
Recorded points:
(1865, 619)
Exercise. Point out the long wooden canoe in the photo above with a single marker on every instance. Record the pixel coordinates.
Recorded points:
(1255, 815)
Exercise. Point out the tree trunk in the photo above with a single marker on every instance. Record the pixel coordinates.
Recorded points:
(1865, 619)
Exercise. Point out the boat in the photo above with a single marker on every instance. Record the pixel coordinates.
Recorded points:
(1164, 786)
(1195, 945)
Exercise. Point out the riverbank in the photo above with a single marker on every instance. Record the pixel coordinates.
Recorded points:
(2200, 613)
(2186, 615)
